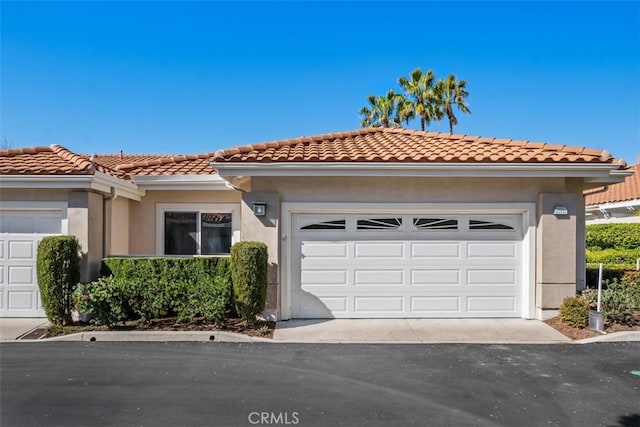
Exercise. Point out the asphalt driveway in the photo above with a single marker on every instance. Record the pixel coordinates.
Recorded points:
(216, 384)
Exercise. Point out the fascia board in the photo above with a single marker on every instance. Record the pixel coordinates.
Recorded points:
(46, 181)
(599, 171)
(181, 182)
(104, 182)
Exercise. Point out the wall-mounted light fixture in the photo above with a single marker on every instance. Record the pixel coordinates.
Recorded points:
(560, 210)
(259, 208)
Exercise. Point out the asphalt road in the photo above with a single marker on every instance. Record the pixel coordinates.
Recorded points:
(216, 384)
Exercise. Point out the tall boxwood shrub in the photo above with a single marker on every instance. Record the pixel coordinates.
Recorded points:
(249, 262)
(58, 270)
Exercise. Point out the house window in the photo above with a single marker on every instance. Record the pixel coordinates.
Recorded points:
(197, 233)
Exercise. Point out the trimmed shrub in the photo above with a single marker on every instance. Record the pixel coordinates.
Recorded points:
(168, 269)
(575, 311)
(208, 299)
(614, 256)
(58, 271)
(616, 236)
(249, 262)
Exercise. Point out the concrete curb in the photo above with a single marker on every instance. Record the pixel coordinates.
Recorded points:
(625, 336)
(156, 336)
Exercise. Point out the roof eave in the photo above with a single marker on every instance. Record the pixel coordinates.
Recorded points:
(600, 172)
(181, 182)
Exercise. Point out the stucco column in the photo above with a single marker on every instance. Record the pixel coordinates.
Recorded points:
(556, 250)
(264, 229)
(85, 222)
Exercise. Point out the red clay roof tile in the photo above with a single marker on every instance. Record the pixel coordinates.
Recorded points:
(629, 189)
(402, 145)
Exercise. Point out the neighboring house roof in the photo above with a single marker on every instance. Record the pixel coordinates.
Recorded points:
(114, 160)
(406, 146)
(198, 164)
(52, 160)
(627, 190)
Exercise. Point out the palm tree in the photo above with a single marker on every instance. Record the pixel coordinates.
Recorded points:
(384, 111)
(452, 92)
(423, 99)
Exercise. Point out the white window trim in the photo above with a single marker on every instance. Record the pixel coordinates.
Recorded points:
(40, 206)
(525, 210)
(226, 208)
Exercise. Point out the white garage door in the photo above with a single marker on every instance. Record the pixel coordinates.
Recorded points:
(20, 233)
(423, 265)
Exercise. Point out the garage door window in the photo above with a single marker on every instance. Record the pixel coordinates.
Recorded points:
(197, 233)
(339, 224)
(475, 224)
(435, 224)
(379, 223)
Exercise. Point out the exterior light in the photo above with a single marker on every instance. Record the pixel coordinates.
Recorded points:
(259, 208)
(560, 210)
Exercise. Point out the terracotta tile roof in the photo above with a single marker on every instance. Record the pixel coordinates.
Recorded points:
(629, 189)
(402, 145)
(114, 160)
(198, 164)
(52, 160)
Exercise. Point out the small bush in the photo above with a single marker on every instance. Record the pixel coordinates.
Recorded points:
(249, 262)
(58, 271)
(575, 311)
(620, 298)
(616, 236)
(104, 299)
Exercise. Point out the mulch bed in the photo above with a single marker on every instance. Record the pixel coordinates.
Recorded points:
(578, 334)
(260, 328)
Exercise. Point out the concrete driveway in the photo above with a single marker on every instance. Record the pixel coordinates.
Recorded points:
(13, 328)
(417, 331)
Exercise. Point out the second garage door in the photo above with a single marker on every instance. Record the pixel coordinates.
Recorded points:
(367, 266)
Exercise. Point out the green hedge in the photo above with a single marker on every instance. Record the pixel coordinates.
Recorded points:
(613, 256)
(111, 300)
(616, 236)
(609, 273)
(249, 263)
(168, 269)
(58, 271)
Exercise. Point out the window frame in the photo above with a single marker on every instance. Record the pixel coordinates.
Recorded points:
(199, 209)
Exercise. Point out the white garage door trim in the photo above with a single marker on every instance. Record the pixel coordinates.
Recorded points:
(26, 242)
(525, 210)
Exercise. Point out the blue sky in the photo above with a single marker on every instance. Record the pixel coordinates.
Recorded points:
(192, 77)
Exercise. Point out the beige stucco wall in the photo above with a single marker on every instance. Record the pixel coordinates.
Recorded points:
(117, 227)
(559, 249)
(142, 215)
(85, 217)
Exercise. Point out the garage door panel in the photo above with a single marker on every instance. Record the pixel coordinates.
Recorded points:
(21, 250)
(20, 300)
(491, 249)
(324, 277)
(435, 250)
(21, 275)
(479, 304)
(324, 250)
(435, 278)
(379, 304)
(435, 304)
(381, 250)
(492, 277)
(378, 278)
